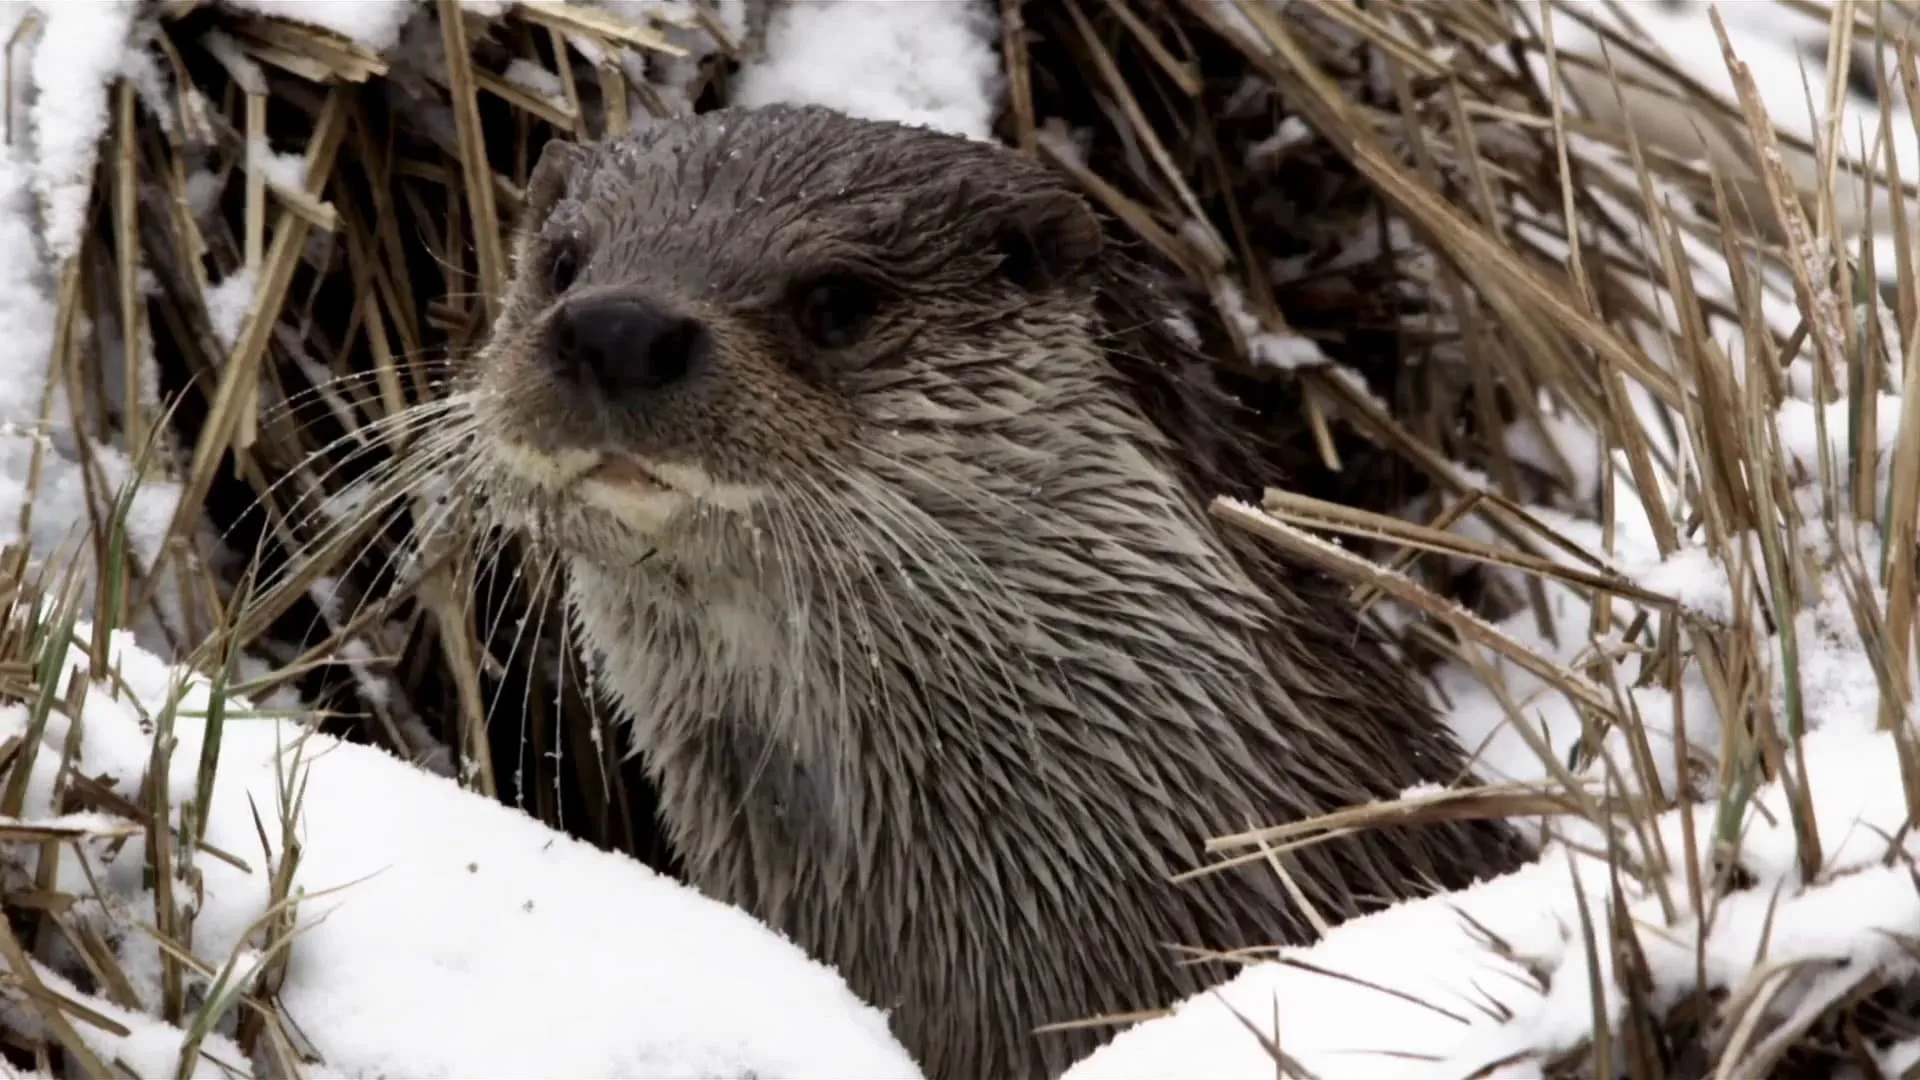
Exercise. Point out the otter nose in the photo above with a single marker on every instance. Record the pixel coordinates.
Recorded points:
(626, 344)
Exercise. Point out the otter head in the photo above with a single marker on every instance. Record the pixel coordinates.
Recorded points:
(725, 321)
(847, 433)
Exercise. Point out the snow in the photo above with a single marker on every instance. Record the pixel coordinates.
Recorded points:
(1292, 132)
(287, 170)
(1696, 579)
(1559, 439)
(417, 893)
(375, 24)
(919, 63)
(149, 1048)
(536, 80)
(1400, 971)
(1284, 351)
(81, 47)
(44, 192)
(228, 303)
(1787, 53)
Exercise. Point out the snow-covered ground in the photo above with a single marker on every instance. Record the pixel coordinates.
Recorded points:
(445, 935)
(441, 934)
(1419, 991)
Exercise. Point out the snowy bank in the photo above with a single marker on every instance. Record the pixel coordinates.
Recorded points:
(443, 934)
(1451, 985)
(1455, 1002)
(1500, 979)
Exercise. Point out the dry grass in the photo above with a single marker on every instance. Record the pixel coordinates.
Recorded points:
(1518, 268)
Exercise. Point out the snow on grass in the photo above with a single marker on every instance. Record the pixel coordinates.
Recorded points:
(148, 1047)
(287, 170)
(375, 24)
(44, 192)
(81, 48)
(1787, 51)
(931, 64)
(1286, 352)
(1384, 996)
(1420, 990)
(442, 933)
(228, 303)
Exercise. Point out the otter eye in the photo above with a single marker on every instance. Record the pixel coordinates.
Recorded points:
(563, 266)
(833, 311)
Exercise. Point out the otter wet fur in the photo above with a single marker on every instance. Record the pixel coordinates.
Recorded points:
(881, 490)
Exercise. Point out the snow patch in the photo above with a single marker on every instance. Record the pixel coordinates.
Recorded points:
(929, 64)
(375, 24)
(81, 48)
(418, 893)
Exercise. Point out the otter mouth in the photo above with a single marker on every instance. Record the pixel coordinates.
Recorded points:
(568, 470)
(645, 497)
(629, 474)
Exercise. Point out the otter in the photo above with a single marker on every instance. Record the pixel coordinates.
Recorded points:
(881, 489)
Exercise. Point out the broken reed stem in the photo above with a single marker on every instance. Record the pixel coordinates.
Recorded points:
(473, 159)
(126, 229)
(1470, 626)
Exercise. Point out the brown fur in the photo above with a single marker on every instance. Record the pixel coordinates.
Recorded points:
(938, 662)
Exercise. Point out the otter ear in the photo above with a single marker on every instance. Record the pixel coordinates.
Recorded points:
(558, 158)
(1045, 238)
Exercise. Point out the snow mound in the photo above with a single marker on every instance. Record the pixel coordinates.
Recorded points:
(442, 934)
(1453, 985)
(933, 65)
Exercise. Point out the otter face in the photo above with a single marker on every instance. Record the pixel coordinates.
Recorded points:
(726, 318)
